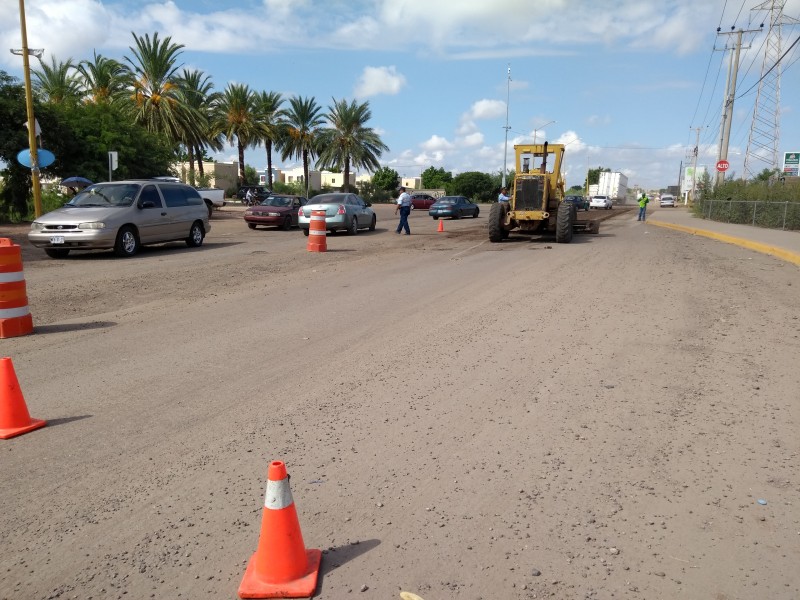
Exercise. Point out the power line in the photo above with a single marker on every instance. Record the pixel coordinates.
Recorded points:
(777, 62)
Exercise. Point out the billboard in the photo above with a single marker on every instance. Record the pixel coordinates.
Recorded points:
(689, 174)
(791, 164)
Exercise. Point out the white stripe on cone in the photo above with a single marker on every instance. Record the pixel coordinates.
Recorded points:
(278, 495)
(13, 313)
(11, 277)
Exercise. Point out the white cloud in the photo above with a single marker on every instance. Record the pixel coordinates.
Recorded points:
(436, 143)
(474, 139)
(486, 109)
(594, 120)
(379, 80)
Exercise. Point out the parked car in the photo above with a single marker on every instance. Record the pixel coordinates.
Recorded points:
(579, 202)
(601, 202)
(667, 200)
(257, 189)
(422, 201)
(123, 215)
(276, 210)
(343, 211)
(455, 207)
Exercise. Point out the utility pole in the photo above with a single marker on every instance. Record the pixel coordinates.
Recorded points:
(25, 52)
(730, 95)
(694, 162)
(505, 149)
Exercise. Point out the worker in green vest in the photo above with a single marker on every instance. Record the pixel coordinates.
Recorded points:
(643, 206)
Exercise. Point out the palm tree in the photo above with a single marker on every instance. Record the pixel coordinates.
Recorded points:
(300, 138)
(348, 141)
(104, 79)
(157, 102)
(271, 124)
(196, 92)
(57, 83)
(234, 116)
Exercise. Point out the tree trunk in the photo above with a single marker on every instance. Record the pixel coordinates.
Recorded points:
(268, 145)
(305, 169)
(199, 152)
(191, 164)
(346, 187)
(241, 162)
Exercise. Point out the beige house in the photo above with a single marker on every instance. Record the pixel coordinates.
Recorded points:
(223, 175)
(411, 183)
(317, 179)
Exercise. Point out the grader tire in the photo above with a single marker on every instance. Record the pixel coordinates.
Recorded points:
(564, 221)
(497, 217)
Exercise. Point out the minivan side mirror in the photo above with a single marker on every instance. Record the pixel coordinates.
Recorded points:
(147, 204)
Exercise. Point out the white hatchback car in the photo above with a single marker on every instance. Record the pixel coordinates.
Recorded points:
(601, 202)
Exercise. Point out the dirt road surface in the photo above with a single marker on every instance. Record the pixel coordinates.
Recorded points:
(460, 419)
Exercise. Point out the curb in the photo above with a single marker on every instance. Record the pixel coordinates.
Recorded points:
(786, 255)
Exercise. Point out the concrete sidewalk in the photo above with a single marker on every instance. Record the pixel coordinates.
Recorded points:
(775, 242)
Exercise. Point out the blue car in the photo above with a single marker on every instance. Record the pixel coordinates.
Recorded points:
(453, 206)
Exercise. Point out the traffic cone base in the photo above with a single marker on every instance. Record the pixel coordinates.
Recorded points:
(441, 226)
(14, 417)
(253, 586)
(16, 327)
(15, 431)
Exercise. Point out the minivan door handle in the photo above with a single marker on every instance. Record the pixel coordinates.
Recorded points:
(163, 214)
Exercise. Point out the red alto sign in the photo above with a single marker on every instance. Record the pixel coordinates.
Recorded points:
(723, 165)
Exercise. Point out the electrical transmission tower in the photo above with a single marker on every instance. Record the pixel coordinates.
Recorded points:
(764, 138)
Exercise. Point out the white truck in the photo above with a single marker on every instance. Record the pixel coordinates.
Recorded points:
(613, 185)
(213, 197)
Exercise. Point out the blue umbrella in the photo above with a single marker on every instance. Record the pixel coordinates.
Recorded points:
(76, 182)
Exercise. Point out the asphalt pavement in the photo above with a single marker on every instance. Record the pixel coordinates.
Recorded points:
(775, 242)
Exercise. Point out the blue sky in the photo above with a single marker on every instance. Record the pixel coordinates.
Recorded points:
(624, 80)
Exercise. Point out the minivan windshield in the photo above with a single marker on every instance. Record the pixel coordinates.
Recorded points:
(106, 195)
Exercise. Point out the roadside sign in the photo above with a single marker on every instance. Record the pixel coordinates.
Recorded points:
(723, 166)
(45, 158)
(791, 164)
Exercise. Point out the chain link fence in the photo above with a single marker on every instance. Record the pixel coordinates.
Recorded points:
(759, 213)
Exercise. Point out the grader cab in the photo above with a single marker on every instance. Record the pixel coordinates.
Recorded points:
(537, 199)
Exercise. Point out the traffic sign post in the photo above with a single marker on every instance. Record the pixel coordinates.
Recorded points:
(723, 165)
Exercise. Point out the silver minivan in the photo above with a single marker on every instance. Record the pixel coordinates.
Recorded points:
(123, 216)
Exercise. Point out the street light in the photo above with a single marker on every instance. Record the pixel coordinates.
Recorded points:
(25, 52)
(505, 147)
(541, 127)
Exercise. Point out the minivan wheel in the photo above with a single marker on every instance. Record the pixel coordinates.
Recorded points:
(127, 243)
(210, 208)
(196, 235)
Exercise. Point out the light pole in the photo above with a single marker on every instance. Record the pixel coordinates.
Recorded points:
(541, 127)
(505, 148)
(37, 195)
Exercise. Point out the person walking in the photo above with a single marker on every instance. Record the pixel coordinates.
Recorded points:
(643, 206)
(404, 208)
(503, 196)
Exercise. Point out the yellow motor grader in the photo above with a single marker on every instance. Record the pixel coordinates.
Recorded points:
(537, 203)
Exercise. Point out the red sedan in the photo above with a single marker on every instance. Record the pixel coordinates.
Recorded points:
(422, 201)
(276, 210)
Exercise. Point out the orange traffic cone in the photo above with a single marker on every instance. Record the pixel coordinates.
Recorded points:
(441, 226)
(15, 317)
(14, 416)
(317, 232)
(281, 566)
